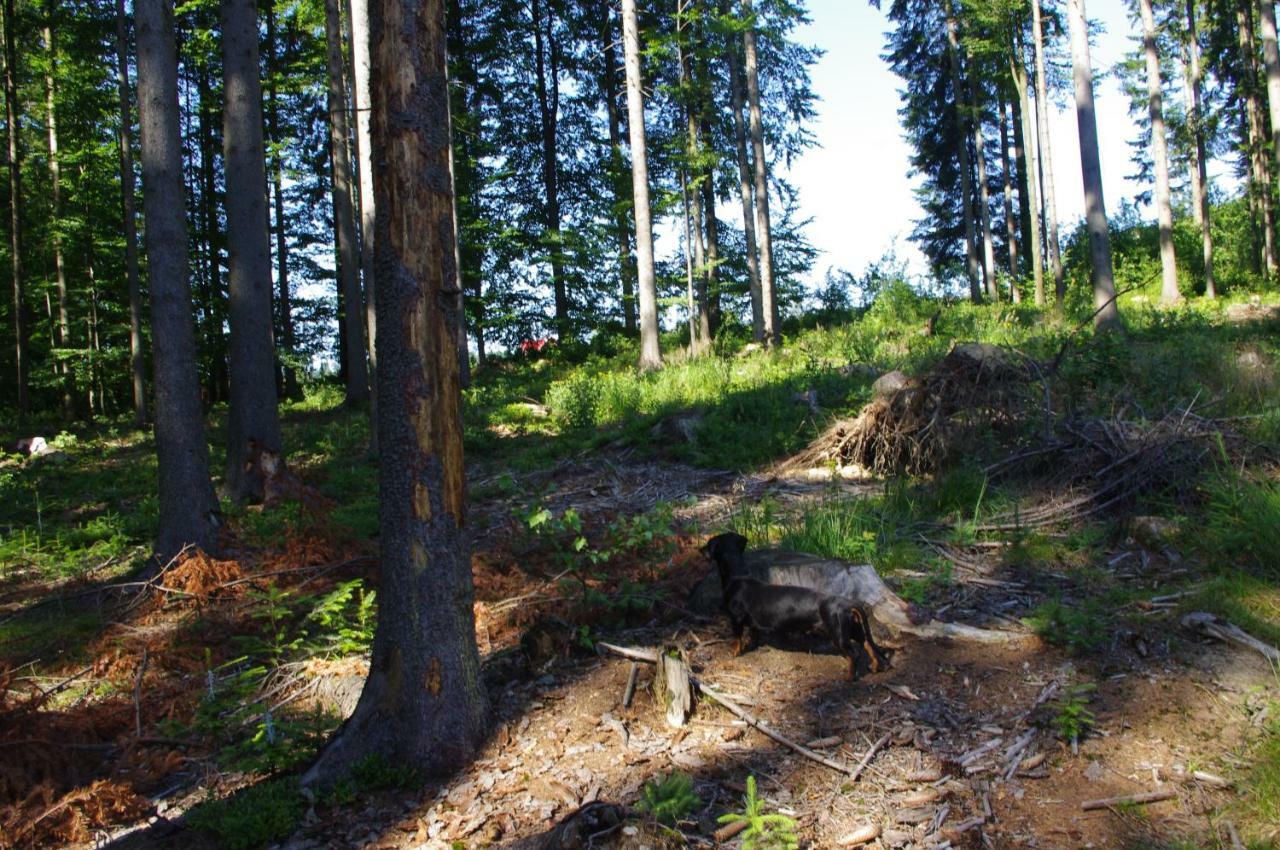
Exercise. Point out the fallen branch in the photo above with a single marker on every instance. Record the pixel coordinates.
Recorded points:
(870, 754)
(650, 657)
(1216, 627)
(1129, 800)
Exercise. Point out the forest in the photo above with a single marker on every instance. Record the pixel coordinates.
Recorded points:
(428, 423)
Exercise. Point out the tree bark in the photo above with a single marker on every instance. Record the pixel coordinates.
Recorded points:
(344, 220)
(21, 331)
(966, 192)
(214, 307)
(1045, 150)
(547, 62)
(127, 191)
(713, 247)
(290, 375)
(1031, 174)
(650, 354)
(1023, 181)
(253, 424)
(63, 337)
(424, 702)
(984, 196)
(188, 510)
(1010, 225)
(746, 191)
(1107, 316)
(764, 235)
(1199, 168)
(617, 163)
(1160, 157)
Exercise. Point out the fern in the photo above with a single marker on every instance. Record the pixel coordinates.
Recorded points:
(764, 831)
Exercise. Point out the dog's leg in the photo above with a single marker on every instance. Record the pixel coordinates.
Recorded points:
(876, 659)
(738, 627)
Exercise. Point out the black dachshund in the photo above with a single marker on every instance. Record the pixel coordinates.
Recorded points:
(757, 608)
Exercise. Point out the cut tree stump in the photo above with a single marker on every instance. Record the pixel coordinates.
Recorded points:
(671, 685)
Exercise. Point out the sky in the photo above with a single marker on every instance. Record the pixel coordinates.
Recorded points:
(856, 186)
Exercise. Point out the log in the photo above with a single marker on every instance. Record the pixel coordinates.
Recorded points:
(1216, 627)
(1129, 800)
(671, 685)
(859, 583)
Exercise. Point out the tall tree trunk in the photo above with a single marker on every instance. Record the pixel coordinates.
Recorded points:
(690, 300)
(1199, 168)
(215, 343)
(617, 163)
(1046, 159)
(713, 247)
(1030, 173)
(344, 220)
(253, 425)
(745, 190)
(1023, 183)
(962, 123)
(1160, 157)
(1271, 62)
(547, 60)
(424, 701)
(1010, 225)
(1259, 159)
(984, 196)
(127, 190)
(1107, 316)
(15, 212)
(650, 353)
(700, 342)
(290, 383)
(188, 510)
(764, 235)
(362, 100)
(63, 337)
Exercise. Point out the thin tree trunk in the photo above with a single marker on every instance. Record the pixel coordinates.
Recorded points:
(1199, 169)
(215, 344)
(1160, 157)
(745, 190)
(1023, 183)
(290, 382)
(690, 300)
(764, 235)
(962, 122)
(984, 196)
(127, 190)
(617, 162)
(63, 337)
(650, 354)
(1031, 174)
(188, 510)
(1045, 150)
(1271, 62)
(1010, 226)
(424, 701)
(713, 248)
(362, 101)
(253, 425)
(344, 220)
(547, 56)
(700, 342)
(15, 213)
(1259, 160)
(1107, 316)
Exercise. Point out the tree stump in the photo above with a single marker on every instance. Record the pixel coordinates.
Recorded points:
(671, 686)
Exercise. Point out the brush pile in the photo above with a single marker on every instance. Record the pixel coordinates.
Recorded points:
(912, 428)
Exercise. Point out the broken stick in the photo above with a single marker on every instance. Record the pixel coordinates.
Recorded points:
(650, 657)
(1219, 628)
(1129, 799)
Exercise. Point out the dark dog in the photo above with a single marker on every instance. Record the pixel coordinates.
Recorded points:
(756, 608)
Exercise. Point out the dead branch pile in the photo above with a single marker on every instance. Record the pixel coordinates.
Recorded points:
(912, 428)
(1097, 465)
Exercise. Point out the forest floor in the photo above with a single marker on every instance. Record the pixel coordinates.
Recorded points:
(176, 713)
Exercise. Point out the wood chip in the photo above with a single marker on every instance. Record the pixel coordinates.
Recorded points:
(861, 835)
(825, 743)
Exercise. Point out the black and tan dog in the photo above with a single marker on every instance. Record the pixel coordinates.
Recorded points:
(756, 608)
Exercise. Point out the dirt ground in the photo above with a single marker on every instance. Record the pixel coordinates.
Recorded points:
(971, 757)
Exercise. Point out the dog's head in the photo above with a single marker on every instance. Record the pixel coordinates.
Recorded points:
(727, 551)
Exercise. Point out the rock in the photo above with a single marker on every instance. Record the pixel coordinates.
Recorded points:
(809, 398)
(1154, 532)
(34, 447)
(1094, 771)
(679, 427)
(889, 383)
(1253, 311)
(865, 371)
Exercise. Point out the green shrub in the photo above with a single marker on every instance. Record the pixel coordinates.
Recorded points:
(254, 817)
(670, 799)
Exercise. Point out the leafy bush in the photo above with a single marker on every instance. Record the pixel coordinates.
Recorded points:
(259, 815)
